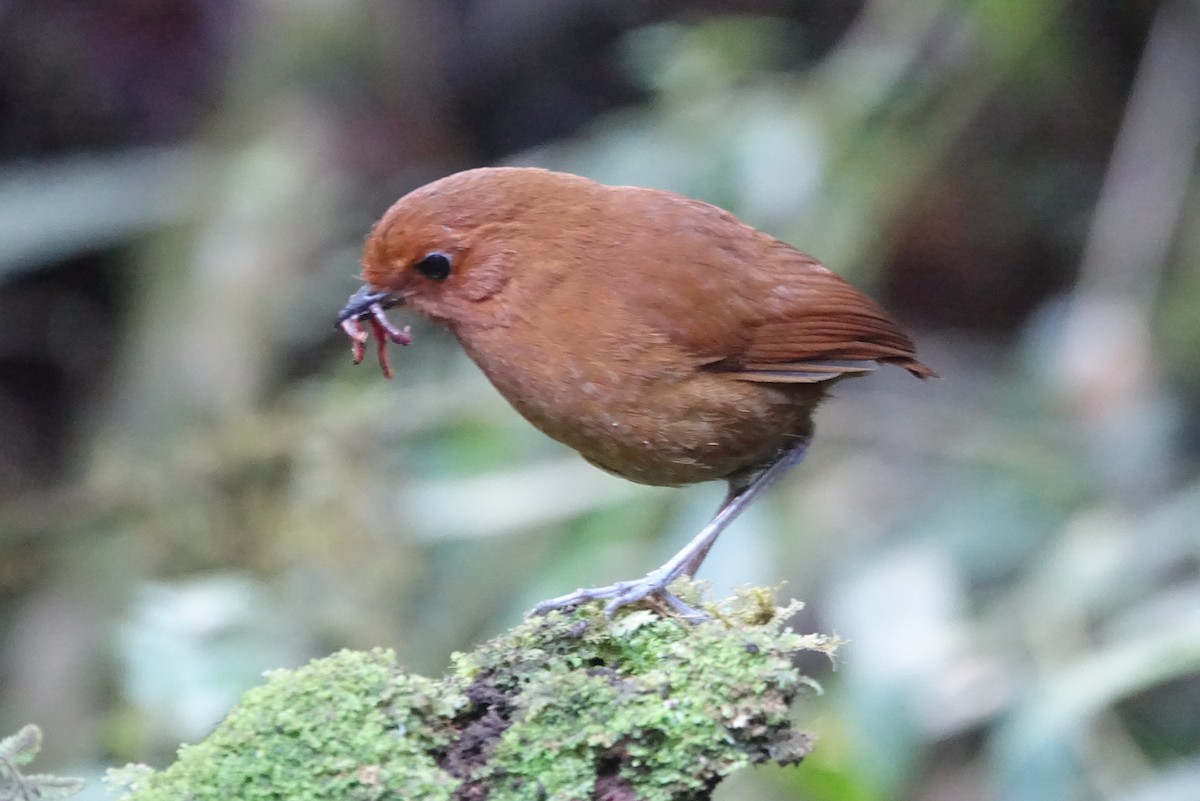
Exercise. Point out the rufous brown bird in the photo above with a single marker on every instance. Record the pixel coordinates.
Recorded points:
(659, 336)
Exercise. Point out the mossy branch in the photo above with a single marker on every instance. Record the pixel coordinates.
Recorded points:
(561, 708)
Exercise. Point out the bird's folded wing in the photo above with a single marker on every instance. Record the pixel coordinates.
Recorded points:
(753, 306)
(827, 330)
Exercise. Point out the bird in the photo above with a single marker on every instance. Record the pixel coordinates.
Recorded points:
(657, 335)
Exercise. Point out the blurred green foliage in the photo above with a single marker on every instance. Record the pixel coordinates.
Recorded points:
(197, 486)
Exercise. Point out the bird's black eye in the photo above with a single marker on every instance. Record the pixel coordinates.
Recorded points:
(435, 265)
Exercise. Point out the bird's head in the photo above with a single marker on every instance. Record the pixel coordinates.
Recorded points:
(448, 249)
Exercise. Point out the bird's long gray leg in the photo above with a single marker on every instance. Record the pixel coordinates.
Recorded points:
(742, 492)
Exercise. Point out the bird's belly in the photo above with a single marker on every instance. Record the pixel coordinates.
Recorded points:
(682, 442)
(664, 431)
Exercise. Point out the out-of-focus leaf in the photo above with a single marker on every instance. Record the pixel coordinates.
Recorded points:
(517, 498)
(1175, 783)
(900, 615)
(51, 211)
(1033, 747)
(190, 648)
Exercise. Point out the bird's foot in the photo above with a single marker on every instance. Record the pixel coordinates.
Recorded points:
(623, 593)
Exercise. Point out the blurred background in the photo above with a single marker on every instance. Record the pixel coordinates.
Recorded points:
(196, 484)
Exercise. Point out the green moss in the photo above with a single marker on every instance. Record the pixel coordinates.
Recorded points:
(652, 707)
(349, 726)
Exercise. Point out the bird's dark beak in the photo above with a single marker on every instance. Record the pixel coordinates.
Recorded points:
(369, 305)
(358, 307)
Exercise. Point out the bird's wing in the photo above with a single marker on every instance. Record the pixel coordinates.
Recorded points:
(739, 301)
(826, 330)
(780, 318)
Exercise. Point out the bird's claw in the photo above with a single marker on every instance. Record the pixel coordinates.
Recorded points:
(624, 593)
